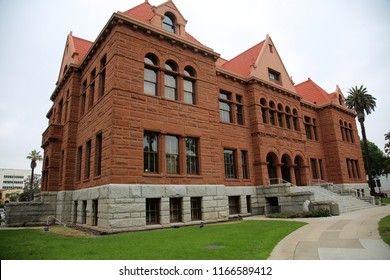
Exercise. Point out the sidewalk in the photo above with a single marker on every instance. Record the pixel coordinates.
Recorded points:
(350, 236)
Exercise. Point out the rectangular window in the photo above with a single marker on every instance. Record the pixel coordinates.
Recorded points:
(308, 127)
(315, 134)
(230, 163)
(314, 171)
(225, 109)
(75, 206)
(234, 205)
(98, 154)
(175, 210)
(152, 211)
(60, 108)
(83, 98)
(62, 160)
(84, 212)
(87, 167)
(91, 99)
(172, 154)
(150, 81)
(170, 87)
(189, 92)
(102, 76)
(196, 208)
(78, 164)
(321, 168)
(244, 164)
(248, 204)
(95, 212)
(192, 156)
(151, 152)
(239, 110)
(274, 76)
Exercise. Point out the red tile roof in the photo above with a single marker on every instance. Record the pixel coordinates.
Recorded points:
(242, 63)
(82, 46)
(313, 93)
(144, 12)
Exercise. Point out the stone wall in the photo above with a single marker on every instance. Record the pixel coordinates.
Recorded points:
(121, 207)
(32, 213)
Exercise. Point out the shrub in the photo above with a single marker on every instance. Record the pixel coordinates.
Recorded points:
(293, 215)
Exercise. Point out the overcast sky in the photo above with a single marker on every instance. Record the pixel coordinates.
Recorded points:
(334, 42)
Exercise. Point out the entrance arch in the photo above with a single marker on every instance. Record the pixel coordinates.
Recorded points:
(299, 170)
(286, 166)
(272, 163)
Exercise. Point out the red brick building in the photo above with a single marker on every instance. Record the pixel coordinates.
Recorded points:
(150, 128)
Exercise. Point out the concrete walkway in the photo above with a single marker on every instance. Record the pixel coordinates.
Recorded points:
(350, 236)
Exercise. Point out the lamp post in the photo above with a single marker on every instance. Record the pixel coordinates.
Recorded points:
(31, 193)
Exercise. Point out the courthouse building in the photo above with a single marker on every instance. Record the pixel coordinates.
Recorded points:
(150, 128)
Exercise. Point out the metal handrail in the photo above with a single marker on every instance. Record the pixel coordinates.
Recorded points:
(47, 221)
(280, 181)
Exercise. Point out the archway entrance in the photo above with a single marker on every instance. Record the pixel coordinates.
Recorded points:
(299, 170)
(286, 165)
(271, 166)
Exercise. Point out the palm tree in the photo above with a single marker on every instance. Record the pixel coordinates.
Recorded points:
(34, 156)
(362, 103)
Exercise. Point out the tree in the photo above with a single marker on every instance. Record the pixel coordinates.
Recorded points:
(363, 104)
(34, 156)
(25, 195)
(387, 145)
(379, 160)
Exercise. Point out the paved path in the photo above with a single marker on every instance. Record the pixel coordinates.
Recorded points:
(350, 236)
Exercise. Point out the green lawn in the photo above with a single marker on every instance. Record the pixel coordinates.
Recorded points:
(235, 241)
(384, 228)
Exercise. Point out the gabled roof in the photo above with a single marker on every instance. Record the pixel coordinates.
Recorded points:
(81, 46)
(313, 93)
(75, 50)
(241, 64)
(257, 62)
(142, 12)
(145, 12)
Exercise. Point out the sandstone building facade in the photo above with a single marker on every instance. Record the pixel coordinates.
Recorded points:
(150, 128)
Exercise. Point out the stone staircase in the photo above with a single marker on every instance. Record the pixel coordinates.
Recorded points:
(346, 203)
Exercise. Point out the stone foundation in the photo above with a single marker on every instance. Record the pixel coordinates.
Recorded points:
(116, 208)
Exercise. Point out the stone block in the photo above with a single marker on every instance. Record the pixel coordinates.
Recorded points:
(196, 190)
(150, 191)
(176, 191)
(119, 191)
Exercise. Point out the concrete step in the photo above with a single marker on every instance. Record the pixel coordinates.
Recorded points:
(346, 203)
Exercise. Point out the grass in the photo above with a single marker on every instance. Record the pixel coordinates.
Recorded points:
(384, 229)
(243, 240)
(386, 200)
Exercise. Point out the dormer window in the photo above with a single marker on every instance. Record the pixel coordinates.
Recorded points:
(169, 23)
(274, 76)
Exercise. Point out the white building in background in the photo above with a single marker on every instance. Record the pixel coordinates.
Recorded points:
(13, 179)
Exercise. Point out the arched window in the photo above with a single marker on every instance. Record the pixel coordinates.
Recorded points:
(189, 85)
(288, 117)
(272, 113)
(264, 110)
(150, 74)
(169, 23)
(170, 80)
(280, 115)
(351, 133)
(295, 119)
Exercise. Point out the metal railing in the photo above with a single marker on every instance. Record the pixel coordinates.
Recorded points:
(281, 181)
